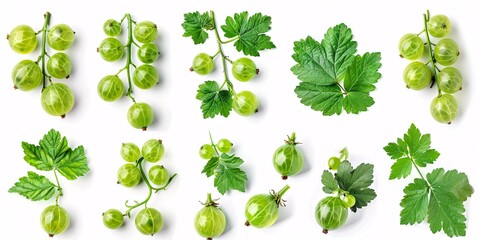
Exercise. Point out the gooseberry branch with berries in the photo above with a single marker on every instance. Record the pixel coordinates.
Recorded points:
(111, 88)
(149, 220)
(418, 75)
(57, 99)
(248, 35)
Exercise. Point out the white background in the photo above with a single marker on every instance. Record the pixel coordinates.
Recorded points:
(101, 127)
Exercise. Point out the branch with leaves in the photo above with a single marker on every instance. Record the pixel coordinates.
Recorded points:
(51, 154)
(439, 197)
(248, 34)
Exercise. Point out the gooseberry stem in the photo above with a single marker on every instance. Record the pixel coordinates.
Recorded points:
(222, 54)
(44, 51)
(59, 188)
(149, 185)
(426, 18)
(129, 54)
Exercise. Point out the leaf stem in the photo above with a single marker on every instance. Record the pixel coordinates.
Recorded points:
(418, 169)
(213, 144)
(150, 188)
(430, 51)
(341, 87)
(129, 55)
(59, 188)
(220, 50)
(43, 53)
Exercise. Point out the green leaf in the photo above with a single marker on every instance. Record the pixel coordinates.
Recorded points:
(397, 150)
(214, 100)
(362, 197)
(329, 183)
(34, 187)
(356, 181)
(321, 68)
(453, 181)
(195, 25)
(415, 202)
(327, 99)
(356, 102)
(36, 157)
(363, 73)
(413, 148)
(74, 164)
(401, 168)
(230, 178)
(445, 211)
(54, 145)
(231, 161)
(250, 32)
(210, 167)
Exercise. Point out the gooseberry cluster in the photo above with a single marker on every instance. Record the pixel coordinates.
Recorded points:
(111, 88)
(418, 75)
(57, 99)
(148, 220)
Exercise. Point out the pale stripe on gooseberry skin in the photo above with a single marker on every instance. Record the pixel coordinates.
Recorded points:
(26, 75)
(417, 76)
(57, 99)
(145, 32)
(446, 52)
(411, 46)
(111, 49)
(261, 211)
(110, 88)
(331, 213)
(54, 220)
(145, 76)
(22, 39)
(149, 221)
(444, 108)
(140, 115)
(59, 65)
(128, 175)
(449, 80)
(210, 222)
(60, 37)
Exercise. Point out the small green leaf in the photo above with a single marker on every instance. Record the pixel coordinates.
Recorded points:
(401, 168)
(230, 178)
(250, 32)
(231, 161)
(453, 181)
(363, 73)
(327, 99)
(54, 145)
(329, 183)
(356, 102)
(210, 167)
(214, 100)
(445, 211)
(36, 157)
(363, 196)
(397, 150)
(362, 177)
(34, 187)
(195, 25)
(356, 181)
(74, 164)
(415, 202)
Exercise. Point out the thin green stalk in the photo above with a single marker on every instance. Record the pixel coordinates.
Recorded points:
(59, 188)
(44, 43)
(129, 54)
(283, 191)
(430, 51)
(150, 188)
(224, 58)
(213, 144)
